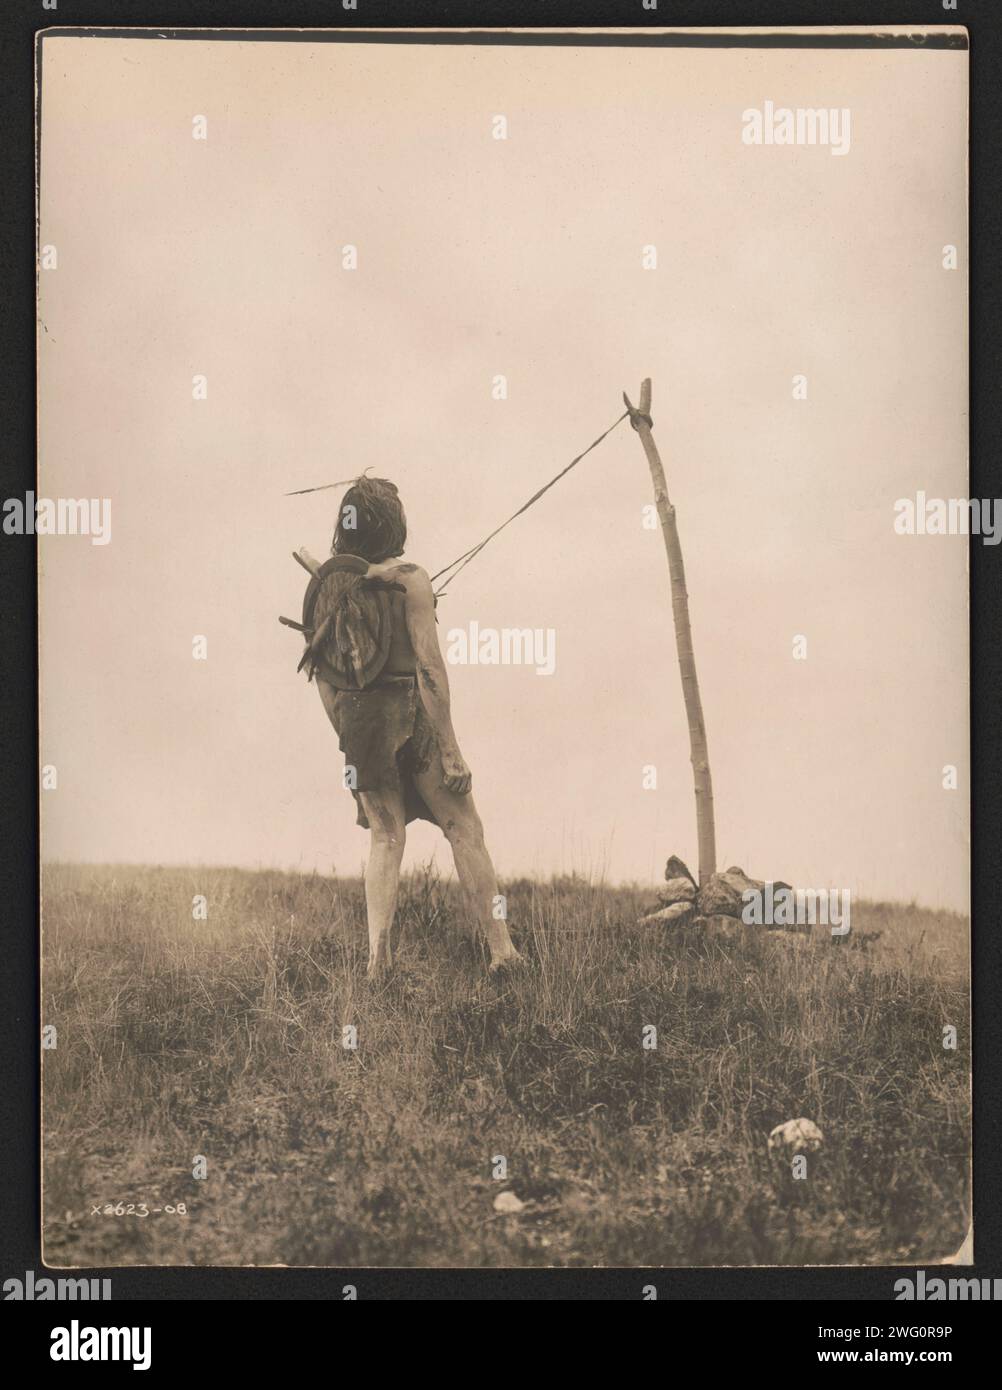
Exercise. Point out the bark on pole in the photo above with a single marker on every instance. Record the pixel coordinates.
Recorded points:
(640, 418)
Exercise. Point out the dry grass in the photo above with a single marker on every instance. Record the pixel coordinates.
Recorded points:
(179, 1038)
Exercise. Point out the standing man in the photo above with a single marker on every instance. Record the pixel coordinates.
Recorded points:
(384, 685)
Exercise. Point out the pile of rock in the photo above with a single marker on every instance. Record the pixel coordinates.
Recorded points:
(722, 896)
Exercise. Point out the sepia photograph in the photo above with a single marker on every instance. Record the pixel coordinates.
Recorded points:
(503, 528)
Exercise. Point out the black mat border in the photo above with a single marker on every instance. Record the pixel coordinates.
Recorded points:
(19, 1208)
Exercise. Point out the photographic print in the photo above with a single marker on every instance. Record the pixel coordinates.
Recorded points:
(503, 647)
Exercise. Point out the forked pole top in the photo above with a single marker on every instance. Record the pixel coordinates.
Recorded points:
(640, 414)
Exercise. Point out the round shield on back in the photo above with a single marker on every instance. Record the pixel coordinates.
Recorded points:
(356, 622)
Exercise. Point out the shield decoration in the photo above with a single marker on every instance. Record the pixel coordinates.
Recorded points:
(351, 623)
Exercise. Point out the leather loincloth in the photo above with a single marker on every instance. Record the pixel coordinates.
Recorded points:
(386, 736)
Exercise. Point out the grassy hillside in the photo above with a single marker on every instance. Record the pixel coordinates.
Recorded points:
(223, 1038)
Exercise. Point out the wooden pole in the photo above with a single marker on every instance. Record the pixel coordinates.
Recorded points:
(307, 561)
(640, 418)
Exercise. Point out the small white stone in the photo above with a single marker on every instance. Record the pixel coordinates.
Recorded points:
(798, 1136)
(508, 1203)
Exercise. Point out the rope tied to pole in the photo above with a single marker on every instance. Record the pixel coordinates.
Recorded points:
(637, 416)
(461, 561)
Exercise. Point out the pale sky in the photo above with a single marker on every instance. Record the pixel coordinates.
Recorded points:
(521, 257)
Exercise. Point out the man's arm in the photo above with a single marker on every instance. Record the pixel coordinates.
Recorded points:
(432, 678)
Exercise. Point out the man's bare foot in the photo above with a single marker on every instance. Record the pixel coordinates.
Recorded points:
(379, 966)
(509, 962)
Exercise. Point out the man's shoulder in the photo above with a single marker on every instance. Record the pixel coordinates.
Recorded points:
(414, 578)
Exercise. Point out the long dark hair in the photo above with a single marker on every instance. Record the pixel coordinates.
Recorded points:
(371, 521)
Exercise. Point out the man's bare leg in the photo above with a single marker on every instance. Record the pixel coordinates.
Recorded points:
(385, 814)
(457, 815)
